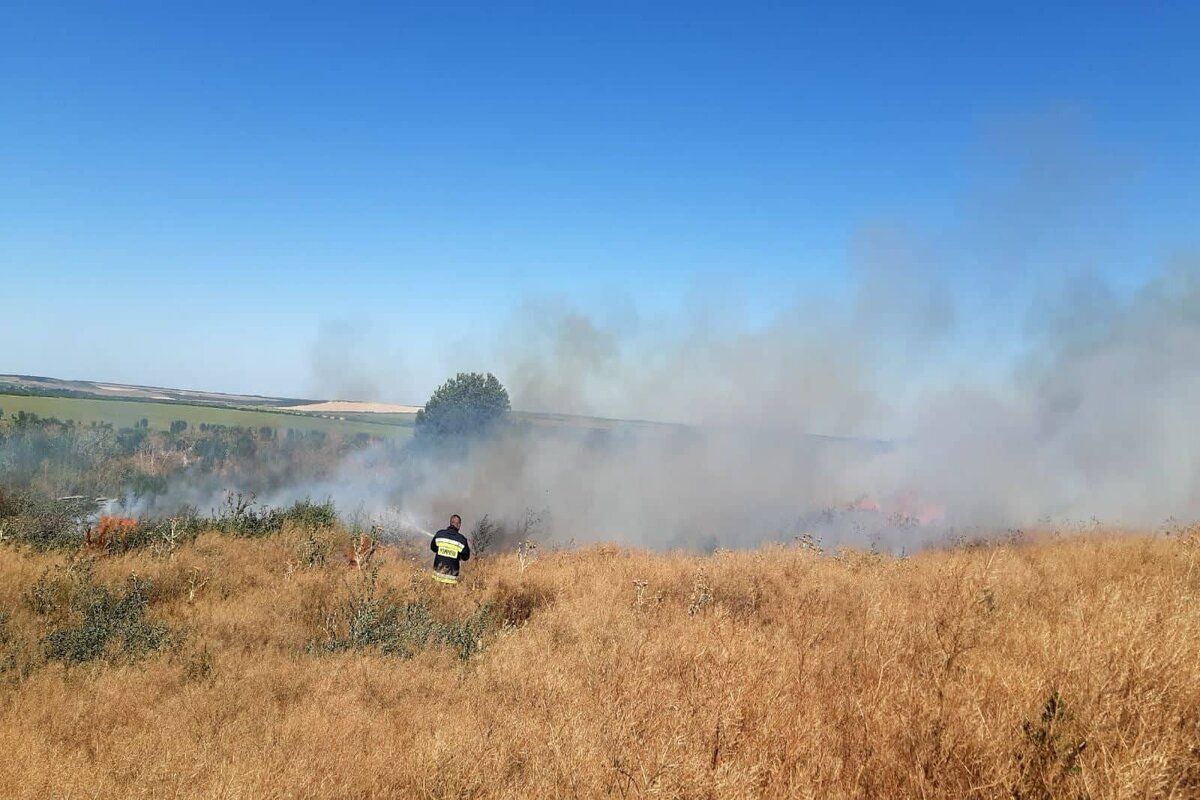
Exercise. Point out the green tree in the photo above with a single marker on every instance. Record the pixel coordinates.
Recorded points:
(469, 404)
(178, 426)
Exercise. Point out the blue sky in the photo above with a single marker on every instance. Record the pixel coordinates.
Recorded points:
(190, 192)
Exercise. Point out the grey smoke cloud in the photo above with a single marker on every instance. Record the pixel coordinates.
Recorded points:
(1010, 394)
(1096, 419)
(339, 369)
(354, 361)
(972, 386)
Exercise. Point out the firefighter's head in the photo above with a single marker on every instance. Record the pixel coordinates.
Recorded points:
(455, 521)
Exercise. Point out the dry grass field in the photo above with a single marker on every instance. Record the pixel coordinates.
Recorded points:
(268, 668)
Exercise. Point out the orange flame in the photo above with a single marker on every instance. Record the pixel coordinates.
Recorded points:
(108, 528)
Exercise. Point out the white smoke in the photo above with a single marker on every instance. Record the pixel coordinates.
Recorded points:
(967, 385)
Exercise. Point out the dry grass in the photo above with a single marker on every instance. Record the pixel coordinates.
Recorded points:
(1051, 668)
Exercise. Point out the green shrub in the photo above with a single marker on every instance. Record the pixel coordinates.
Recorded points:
(42, 522)
(91, 621)
(311, 551)
(243, 517)
(311, 515)
(368, 619)
(45, 523)
(163, 534)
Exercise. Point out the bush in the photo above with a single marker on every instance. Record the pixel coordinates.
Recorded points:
(490, 535)
(95, 621)
(45, 523)
(312, 552)
(42, 522)
(160, 533)
(242, 517)
(483, 535)
(311, 515)
(368, 619)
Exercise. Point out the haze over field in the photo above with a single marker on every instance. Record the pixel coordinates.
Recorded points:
(1009, 379)
(1095, 419)
(1083, 409)
(766, 225)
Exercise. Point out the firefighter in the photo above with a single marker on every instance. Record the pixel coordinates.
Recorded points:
(451, 547)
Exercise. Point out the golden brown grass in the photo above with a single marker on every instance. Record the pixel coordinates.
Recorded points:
(1052, 668)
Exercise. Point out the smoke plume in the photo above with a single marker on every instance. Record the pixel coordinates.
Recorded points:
(963, 383)
(984, 377)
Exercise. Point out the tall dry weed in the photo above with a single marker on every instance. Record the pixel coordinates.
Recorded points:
(1037, 667)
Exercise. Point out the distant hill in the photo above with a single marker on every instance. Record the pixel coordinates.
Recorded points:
(57, 387)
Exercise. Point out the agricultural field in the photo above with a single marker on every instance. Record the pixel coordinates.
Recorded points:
(160, 415)
(123, 405)
(235, 662)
